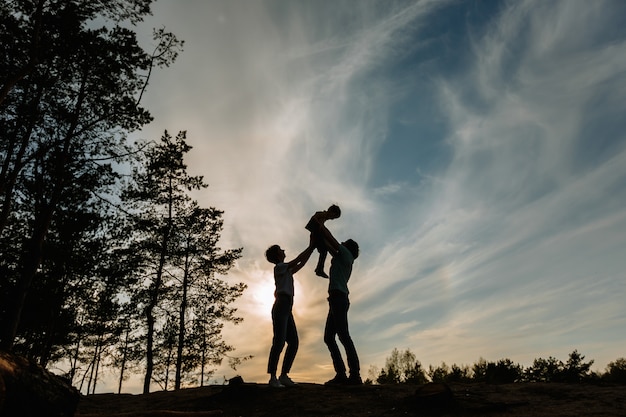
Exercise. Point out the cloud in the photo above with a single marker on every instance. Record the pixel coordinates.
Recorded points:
(510, 245)
(521, 220)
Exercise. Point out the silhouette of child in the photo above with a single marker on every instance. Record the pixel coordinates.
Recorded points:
(315, 227)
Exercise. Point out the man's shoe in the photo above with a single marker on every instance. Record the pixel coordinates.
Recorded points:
(275, 383)
(337, 380)
(354, 380)
(286, 381)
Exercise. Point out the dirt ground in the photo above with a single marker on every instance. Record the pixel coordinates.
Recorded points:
(257, 400)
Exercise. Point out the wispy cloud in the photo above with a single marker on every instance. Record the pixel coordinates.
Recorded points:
(522, 219)
(511, 246)
(514, 212)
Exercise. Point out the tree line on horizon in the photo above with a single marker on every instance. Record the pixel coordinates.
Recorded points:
(402, 367)
(106, 260)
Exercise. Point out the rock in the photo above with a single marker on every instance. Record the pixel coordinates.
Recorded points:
(27, 389)
(238, 380)
(433, 395)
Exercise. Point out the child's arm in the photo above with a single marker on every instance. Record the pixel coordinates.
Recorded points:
(300, 260)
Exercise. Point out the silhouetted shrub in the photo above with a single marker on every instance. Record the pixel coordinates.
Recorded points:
(553, 370)
(438, 374)
(402, 367)
(388, 377)
(543, 370)
(616, 371)
(575, 370)
(479, 370)
(460, 373)
(503, 372)
(415, 374)
(445, 374)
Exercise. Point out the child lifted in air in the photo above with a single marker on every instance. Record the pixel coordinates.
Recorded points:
(315, 227)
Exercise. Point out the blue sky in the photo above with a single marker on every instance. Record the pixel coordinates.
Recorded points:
(477, 150)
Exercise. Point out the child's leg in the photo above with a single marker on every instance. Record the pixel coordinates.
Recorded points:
(322, 258)
(319, 269)
(318, 241)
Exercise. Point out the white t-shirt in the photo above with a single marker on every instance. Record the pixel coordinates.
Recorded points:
(283, 279)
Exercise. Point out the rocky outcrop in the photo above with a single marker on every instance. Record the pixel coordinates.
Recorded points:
(27, 389)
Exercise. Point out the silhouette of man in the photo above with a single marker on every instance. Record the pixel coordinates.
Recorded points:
(343, 256)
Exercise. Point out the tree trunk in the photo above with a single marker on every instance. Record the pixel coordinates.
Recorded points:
(155, 297)
(149, 348)
(123, 364)
(181, 326)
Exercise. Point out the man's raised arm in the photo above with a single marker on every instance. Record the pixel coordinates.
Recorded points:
(329, 240)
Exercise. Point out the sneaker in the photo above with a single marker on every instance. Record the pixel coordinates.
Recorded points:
(275, 383)
(286, 381)
(354, 380)
(337, 380)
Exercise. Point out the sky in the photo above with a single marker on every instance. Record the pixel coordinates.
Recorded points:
(477, 150)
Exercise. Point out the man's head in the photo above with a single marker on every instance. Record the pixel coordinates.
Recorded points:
(275, 254)
(353, 247)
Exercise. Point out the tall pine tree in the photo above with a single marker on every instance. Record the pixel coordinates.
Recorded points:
(178, 242)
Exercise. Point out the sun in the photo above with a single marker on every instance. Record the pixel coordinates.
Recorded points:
(262, 292)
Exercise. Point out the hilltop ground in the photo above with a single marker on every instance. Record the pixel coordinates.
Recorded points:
(258, 400)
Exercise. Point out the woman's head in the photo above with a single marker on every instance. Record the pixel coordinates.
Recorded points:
(275, 254)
